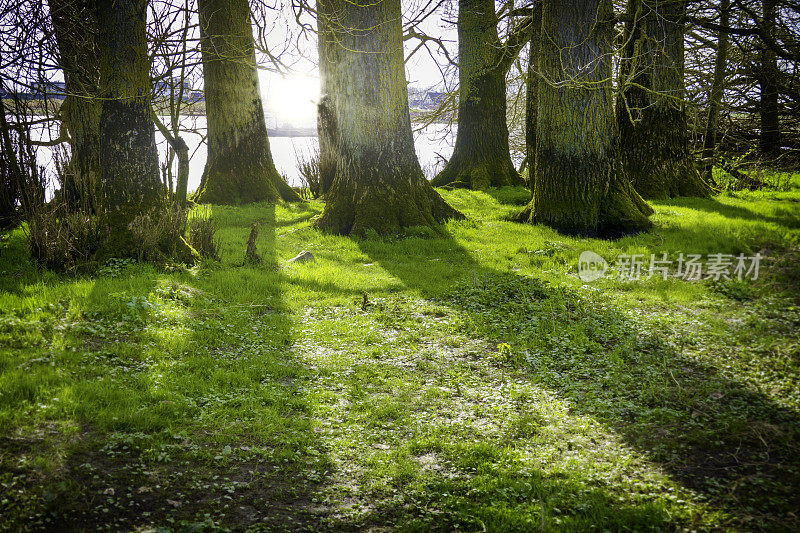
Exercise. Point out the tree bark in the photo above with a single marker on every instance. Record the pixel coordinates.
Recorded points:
(578, 186)
(239, 168)
(770, 137)
(531, 93)
(128, 160)
(481, 157)
(326, 119)
(379, 185)
(651, 110)
(75, 28)
(716, 94)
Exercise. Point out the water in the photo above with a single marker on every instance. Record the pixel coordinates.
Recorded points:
(433, 145)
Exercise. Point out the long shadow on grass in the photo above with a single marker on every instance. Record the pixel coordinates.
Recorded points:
(186, 407)
(732, 445)
(711, 205)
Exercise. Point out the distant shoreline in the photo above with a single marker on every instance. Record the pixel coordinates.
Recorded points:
(198, 109)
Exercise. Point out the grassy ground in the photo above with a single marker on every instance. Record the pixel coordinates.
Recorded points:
(464, 381)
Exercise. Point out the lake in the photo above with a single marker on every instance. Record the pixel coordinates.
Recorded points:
(434, 144)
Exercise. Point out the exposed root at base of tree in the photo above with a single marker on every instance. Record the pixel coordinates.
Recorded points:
(242, 175)
(622, 212)
(477, 176)
(383, 206)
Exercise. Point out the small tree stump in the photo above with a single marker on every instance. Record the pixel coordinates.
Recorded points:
(251, 254)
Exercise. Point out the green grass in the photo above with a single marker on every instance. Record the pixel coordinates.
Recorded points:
(462, 381)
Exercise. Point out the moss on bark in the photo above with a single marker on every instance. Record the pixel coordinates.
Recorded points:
(651, 109)
(376, 194)
(239, 168)
(378, 184)
(578, 185)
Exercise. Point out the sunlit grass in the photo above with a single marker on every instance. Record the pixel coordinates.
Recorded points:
(463, 380)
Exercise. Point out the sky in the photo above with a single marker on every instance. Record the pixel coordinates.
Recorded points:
(291, 97)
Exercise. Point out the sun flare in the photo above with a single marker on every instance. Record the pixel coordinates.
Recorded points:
(292, 100)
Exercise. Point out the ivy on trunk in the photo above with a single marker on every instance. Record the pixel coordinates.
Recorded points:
(651, 110)
(578, 185)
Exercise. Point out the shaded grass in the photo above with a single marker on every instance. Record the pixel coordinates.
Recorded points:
(431, 382)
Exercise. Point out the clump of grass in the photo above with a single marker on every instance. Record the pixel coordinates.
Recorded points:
(203, 234)
(155, 233)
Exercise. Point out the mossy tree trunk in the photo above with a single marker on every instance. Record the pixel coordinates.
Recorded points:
(129, 178)
(768, 73)
(481, 157)
(379, 185)
(239, 168)
(651, 110)
(326, 118)
(75, 28)
(532, 92)
(578, 186)
(716, 93)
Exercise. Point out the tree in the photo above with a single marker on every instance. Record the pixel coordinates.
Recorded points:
(326, 120)
(651, 110)
(578, 185)
(768, 74)
(75, 29)
(379, 184)
(716, 93)
(532, 93)
(481, 157)
(128, 160)
(239, 168)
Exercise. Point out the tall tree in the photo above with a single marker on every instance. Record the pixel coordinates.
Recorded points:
(239, 168)
(651, 110)
(578, 186)
(379, 184)
(128, 160)
(75, 29)
(481, 157)
(768, 74)
(716, 93)
(532, 92)
(327, 49)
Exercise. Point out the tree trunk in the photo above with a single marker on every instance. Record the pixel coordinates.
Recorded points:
(11, 179)
(716, 94)
(239, 168)
(531, 94)
(770, 138)
(651, 110)
(578, 186)
(128, 166)
(181, 149)
(326, 119)
(75, 28)
(379, 185)
(481, 157)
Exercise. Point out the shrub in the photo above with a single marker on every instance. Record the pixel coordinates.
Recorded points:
(308, 166)
(60, 240)
(202, 234)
